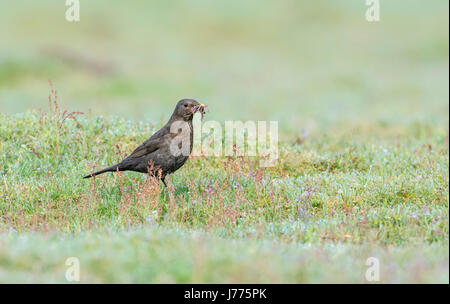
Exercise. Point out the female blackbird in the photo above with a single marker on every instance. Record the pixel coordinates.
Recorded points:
(168, 149)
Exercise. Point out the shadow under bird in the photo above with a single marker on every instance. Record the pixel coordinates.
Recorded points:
(166, 150)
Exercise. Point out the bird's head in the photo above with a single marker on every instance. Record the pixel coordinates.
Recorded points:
(186, 108)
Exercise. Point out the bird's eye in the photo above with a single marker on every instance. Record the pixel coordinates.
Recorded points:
(185, 105)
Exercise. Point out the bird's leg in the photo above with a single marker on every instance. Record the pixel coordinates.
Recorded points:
(163, 179)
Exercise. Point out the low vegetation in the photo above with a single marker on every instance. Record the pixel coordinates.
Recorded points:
(339, 197)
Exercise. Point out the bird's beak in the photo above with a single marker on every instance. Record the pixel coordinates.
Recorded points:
(199, 108)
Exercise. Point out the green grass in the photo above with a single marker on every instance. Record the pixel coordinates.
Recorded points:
(343, 197)
(363, 118)
(156, 255)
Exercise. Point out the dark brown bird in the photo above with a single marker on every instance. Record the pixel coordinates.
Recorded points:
(168, 149)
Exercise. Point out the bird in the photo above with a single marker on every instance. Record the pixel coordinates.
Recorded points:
(165, 151)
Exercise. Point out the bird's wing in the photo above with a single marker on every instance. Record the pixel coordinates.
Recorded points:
(150, 145)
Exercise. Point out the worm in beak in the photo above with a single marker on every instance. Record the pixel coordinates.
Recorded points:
(200, 108)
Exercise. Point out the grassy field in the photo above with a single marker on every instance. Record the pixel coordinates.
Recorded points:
(363, 117)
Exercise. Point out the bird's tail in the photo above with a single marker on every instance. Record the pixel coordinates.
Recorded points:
(109, 169)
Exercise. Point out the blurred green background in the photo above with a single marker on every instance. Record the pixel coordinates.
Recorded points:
(304, 63)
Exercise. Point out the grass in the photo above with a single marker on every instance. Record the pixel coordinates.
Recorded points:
(363, 118)
(156, 255)
(337, 198)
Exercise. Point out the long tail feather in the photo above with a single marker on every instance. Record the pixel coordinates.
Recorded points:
(109, 169)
